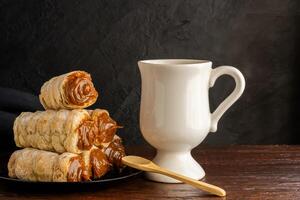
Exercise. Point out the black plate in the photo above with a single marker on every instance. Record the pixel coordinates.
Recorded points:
(108, 178)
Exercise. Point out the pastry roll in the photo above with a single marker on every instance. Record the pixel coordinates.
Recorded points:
(64, 130)
(38, 165)
(68, 91)
(115, 151)
(96, 162)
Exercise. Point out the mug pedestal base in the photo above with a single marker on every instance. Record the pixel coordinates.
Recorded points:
(179, 162)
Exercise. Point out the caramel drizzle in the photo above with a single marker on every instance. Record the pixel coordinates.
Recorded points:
(87, 134)
(114, 152)
(97, 130)
(99, 163)
(107, 129)
(76, 170)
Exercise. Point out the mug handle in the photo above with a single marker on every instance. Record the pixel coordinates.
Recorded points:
(237, 92)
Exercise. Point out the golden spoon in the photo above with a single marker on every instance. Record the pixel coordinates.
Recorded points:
(147, 165)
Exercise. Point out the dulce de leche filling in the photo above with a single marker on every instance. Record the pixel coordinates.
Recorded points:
(107, 128)
(96, 130)
(99, 163)
(76, 170)
(114, 152)
(87, 133)
(79, 88)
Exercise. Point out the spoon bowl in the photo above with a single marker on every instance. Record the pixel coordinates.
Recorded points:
(139, 163)
(137, 160)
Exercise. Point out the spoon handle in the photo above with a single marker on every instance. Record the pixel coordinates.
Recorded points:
(198, 184)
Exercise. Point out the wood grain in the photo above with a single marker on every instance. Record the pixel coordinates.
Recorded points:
(245, 172)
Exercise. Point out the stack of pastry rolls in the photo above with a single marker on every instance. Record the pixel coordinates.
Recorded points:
(66, 142)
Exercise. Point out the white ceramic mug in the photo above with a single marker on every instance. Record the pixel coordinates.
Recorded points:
(174, 113)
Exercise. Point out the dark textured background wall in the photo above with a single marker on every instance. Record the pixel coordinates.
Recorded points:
(41, 39)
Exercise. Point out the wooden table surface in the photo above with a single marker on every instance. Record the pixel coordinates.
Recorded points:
(245, 172)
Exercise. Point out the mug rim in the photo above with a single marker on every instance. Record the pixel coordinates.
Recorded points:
(175, 62)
